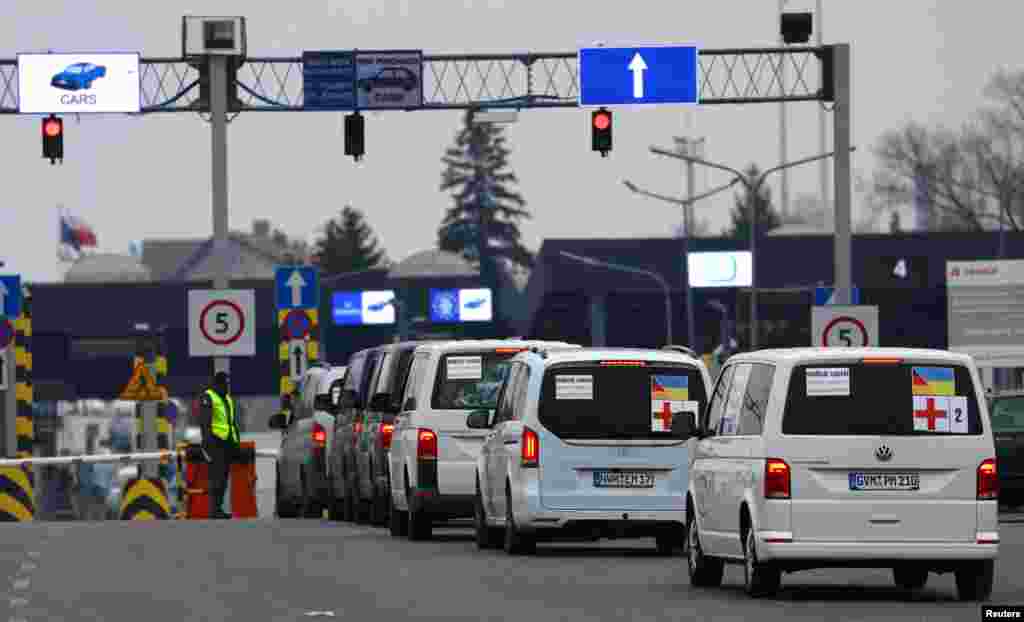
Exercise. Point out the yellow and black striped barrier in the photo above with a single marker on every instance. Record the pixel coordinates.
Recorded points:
(17, 489)
(145, 499)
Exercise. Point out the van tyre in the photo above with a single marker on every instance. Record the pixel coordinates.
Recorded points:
(760, 579)
(974, 580)
(910, 577)
(420, 527)
(516, 542)
(398, 522)
(379, 513)
(348, 512)
(282, 507)
(487, 537)
(704, 571)
(310, 507)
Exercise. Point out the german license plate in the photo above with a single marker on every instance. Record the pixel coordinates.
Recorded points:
(623, 479)
(885, 481)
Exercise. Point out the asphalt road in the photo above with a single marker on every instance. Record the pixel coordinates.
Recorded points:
(267, 570)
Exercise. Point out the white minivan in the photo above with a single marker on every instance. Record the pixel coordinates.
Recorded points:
(433, 452)
(588, 444)
(845, 457)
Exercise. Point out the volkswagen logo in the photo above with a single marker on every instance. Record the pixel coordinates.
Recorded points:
(883, 453)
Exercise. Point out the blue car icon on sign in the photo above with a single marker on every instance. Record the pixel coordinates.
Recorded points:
(78, 77)
(475, 304)
(378, 306)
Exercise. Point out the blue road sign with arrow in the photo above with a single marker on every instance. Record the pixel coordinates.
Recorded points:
(297, 287)
(10, 295)
(827, 296)
(640, 75)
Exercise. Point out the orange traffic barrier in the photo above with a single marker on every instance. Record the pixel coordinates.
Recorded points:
(243, 483)
(197, 487)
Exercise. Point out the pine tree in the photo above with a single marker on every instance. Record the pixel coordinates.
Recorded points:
(483, 225)
(767, 217)
(348, 244)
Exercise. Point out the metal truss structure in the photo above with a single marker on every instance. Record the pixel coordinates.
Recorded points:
(474, 81)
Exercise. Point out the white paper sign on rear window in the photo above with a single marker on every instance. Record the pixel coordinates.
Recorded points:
(828, 381)
(464, 368)
(574, 387)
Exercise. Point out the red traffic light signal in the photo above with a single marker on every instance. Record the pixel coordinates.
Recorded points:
(601, 131)
(53, 139)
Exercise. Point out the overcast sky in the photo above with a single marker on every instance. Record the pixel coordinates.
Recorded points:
(131, 179)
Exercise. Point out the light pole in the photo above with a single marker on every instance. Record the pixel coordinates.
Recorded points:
(753, 189)
(687, 205)
(590, 261)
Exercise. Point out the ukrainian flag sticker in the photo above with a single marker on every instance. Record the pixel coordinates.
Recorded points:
(933, 381)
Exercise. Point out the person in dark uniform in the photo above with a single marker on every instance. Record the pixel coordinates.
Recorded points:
(219, 424)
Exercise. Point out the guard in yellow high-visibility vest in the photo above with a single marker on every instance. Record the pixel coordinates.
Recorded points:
(221, 438)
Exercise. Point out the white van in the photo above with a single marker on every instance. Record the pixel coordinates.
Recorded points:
(588, 444)
(432, 462)
(845, 457)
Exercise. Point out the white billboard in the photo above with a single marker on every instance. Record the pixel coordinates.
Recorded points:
(720, 269)
(378, 307)
(79, 83)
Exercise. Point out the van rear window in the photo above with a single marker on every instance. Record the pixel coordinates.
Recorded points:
(881, 399)
(594, 401)
(470, 380)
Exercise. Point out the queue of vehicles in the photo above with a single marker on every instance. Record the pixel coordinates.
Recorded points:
(789, 460)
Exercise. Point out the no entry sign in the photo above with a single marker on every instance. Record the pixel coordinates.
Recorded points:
(220, 323)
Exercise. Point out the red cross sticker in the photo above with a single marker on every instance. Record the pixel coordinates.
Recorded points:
(931, 413)
(665, 415)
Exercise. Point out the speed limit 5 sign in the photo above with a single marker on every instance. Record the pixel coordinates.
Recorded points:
(849, 326)
(221, 322)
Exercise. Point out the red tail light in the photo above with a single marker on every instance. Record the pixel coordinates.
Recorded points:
(357, 429)
(988, 480)
(426, 445)
(776, 479)
(319, 435)
(385, 435)
(529, 449)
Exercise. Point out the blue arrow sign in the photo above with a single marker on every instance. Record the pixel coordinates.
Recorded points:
(640, 75)
(296, 287)
(827, 296)
(10, 295)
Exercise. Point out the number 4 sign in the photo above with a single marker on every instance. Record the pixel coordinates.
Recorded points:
(221, 323)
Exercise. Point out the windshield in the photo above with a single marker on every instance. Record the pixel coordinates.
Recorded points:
(591, 401)
(881, 400)
(1008, 414)
(470, 380)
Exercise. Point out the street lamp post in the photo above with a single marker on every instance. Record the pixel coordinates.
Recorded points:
(753, 188)
(687, 205)
(590, 261)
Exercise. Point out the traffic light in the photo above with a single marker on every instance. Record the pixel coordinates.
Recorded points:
(53, 139)
(354, 138)
(601, 131)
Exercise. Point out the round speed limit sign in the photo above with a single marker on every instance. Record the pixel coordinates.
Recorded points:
(844, 326)
(221, 323)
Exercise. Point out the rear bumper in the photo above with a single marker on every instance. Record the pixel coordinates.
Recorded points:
(623, 523)
(444, 506)
(842, 554)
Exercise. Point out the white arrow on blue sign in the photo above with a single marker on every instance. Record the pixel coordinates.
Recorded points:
(10, 295)
(639, 75)
(827, 296)
(296, 287)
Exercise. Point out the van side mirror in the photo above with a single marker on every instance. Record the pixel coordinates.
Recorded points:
(277, 421)
(380, 402)
(323, 402)
(479, 419)
(684, 425)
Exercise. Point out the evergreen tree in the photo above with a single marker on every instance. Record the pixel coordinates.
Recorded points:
(348, 244)
(767, 217)
(483, 225)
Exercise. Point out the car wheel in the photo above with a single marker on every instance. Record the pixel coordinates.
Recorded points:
(704, 571)
(380, 510)
(398, 522)
(516, 542)
(974, 580)
(910, 577)
(359, 507)
(487, 537)
(282, 507)
(348, 511)
(310, 507)
(759, 578)
(420, 526)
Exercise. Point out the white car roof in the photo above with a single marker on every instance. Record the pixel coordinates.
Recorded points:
(472, 345)
(619, 354)
(798, 356)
